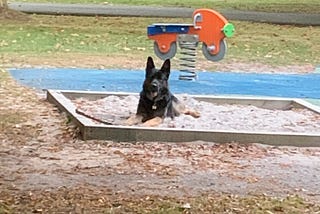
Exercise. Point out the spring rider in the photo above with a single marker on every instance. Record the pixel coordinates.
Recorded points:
(208, 27)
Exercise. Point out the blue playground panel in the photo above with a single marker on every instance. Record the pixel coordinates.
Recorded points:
(213, 83)
(160, 28)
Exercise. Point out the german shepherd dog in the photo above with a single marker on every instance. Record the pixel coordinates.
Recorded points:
(156, 101)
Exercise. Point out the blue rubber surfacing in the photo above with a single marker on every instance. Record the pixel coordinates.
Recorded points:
(208, 83)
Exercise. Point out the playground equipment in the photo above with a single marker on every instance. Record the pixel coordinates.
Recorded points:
(208, 27)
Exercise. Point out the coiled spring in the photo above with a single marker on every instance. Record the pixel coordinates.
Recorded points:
(188, 54)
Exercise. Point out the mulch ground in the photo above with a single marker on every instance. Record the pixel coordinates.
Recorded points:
(45, 167)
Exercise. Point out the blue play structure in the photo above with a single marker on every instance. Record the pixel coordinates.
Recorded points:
(208, 83)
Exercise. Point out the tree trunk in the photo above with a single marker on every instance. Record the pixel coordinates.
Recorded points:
(3, 5)
(7, 13)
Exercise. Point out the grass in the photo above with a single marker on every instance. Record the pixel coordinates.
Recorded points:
(276, 45)
(48, 34)
(309, 6)
(253, 42)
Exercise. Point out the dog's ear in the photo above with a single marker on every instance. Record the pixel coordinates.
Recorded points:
(166, 67)
(150, 66)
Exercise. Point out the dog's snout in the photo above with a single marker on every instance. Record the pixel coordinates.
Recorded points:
(154, 86)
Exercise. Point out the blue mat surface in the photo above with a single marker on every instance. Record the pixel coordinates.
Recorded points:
(214, 83)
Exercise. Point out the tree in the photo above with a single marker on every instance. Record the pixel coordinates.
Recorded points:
(3, 5)
(7, 13)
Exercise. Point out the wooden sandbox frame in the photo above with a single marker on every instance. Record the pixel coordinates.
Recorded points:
(91, 130)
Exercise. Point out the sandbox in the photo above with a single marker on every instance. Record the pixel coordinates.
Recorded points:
(91, 128)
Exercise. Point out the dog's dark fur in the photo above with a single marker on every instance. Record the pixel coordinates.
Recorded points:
(156, 101)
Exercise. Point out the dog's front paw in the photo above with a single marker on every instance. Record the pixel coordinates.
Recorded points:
(192, 113)
(133, 120)
(153, 122)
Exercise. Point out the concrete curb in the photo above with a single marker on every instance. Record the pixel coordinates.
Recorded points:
(148, 11)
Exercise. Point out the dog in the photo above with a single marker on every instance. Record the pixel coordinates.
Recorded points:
(156, 101)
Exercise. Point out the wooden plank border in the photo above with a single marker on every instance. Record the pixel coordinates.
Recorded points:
(91, 130)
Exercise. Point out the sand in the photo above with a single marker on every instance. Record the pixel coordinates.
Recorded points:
(115, 110)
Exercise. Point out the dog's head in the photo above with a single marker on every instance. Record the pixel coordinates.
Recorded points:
(156, 81)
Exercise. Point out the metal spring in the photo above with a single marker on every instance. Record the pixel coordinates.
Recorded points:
(188, 60)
